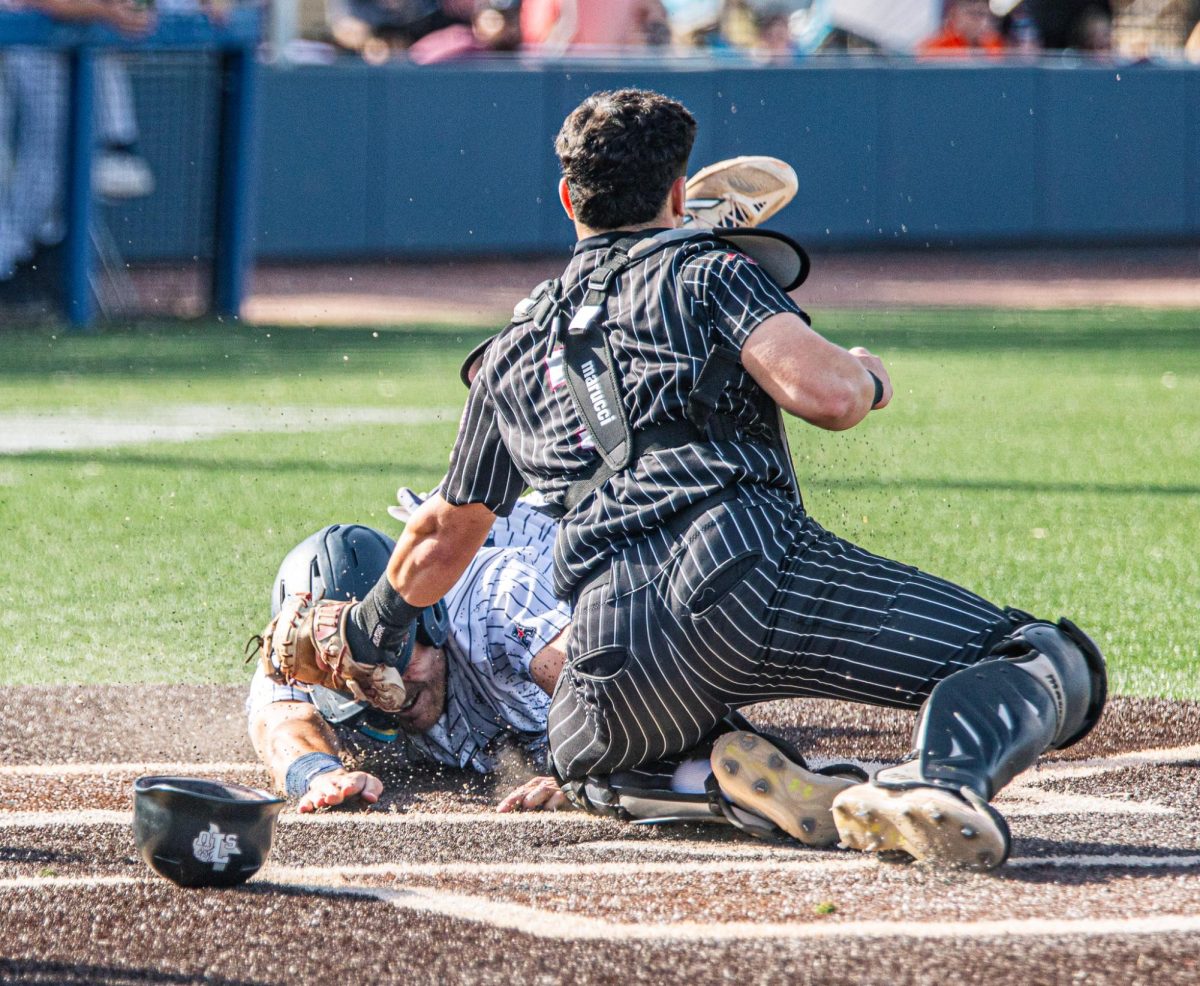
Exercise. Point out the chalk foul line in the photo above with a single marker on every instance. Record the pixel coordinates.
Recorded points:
(557, 925)
(146, 767)
(1039, 774)
(85, 817)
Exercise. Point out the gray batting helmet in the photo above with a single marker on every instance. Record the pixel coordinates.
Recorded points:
(344, 561)
(341, 561)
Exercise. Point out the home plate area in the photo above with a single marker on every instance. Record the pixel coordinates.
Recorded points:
(434, 886)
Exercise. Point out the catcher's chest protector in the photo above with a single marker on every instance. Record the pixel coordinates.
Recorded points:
(594, 384)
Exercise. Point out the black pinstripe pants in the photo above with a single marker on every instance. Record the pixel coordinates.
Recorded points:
(750, 601)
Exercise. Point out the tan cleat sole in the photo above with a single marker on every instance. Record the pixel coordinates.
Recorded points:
(743, 191)
(756, 776)
(930, 824)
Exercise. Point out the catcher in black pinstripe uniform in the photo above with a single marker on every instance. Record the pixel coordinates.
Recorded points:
(640, 394)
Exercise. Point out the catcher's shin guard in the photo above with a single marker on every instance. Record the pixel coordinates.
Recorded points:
(671, 793)
(979, 728)
(630, 798)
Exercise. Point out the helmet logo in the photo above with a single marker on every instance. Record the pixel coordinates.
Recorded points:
(215, 846)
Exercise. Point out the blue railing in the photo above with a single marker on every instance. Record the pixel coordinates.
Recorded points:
(235, 37)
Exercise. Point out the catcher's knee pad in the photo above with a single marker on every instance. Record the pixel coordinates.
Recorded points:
(981, 726)
(1066, 660)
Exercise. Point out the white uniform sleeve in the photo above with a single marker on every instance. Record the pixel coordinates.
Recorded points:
(528, 526)
(264, 691)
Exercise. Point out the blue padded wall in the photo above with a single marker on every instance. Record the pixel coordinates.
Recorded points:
(402, 161)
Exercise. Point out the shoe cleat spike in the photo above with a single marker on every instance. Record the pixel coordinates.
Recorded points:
(808, 824)
(775, 761)
(729, 766)
(967, 832)
(748, 741)
(761, 786)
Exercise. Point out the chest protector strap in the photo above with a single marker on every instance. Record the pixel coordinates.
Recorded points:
(590, 371)
(595, 388)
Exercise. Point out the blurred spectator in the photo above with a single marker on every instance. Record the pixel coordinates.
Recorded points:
(774, 35)
(968, 27)
(119, 171)
(35, 89)
(737, 25)
(495, 27)
(376, 28)
(1022, 32)
(1082, 24)
(758, 26)
(1092, 31)
(561, 25)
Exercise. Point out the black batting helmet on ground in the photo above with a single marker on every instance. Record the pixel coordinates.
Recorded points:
(202, 833)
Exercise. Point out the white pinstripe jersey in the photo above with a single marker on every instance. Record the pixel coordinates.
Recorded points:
(664, 317)
(502, 612)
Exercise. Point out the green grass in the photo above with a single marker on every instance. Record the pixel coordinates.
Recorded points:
(1046, 460)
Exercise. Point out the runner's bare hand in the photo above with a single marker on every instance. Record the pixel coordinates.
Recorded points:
(536, 794)
(339, 786)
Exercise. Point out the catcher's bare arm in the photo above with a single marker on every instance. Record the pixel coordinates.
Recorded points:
(811, 377)
(436, 547)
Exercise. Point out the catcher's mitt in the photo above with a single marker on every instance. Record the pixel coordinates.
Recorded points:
(306, 643)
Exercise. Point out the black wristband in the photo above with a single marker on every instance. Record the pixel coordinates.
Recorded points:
(381, 628)
(878, 389)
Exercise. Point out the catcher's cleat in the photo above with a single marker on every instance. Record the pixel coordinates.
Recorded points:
(741, 192)
(927, 824)
(755, 775)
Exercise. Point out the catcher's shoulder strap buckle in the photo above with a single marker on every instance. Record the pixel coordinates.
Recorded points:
(585, 318)
(535, 308)
(526, 307)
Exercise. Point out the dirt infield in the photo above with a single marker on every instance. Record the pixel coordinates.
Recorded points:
(433, 886)
(484, 291)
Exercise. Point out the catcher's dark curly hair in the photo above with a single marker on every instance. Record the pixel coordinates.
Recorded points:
(620, 151)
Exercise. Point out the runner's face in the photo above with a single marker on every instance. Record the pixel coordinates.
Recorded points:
(425, 680)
